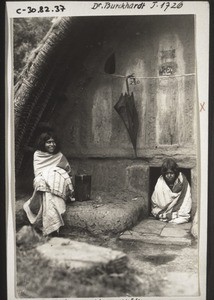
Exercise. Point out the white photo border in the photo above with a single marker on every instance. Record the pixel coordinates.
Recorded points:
(80, 8)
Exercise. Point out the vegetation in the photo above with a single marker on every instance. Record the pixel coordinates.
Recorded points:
(37, 277)
(27, 34)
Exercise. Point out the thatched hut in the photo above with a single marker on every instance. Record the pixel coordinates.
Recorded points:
(77, 74)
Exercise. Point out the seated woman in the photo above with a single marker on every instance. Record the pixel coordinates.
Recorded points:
(171, 199)
(52, 186)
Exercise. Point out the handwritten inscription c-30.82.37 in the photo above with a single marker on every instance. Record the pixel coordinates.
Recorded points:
(41, 9)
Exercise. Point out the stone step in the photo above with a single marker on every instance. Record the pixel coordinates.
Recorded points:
(94, 217)
(156, 232)
(155, 239)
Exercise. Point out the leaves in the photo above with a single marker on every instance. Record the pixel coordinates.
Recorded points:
(28, 33)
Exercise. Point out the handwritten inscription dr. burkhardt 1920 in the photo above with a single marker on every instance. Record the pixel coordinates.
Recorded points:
(133, 5)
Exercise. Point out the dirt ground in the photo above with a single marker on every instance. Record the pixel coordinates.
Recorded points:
(153, 270)
(174, 268)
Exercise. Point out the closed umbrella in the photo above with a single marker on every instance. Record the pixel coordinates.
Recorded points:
(126, 109)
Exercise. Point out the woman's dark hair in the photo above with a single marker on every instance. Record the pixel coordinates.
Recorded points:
(169, 164)
(43, 139)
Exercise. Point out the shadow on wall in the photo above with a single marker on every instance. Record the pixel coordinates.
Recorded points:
(24, 180)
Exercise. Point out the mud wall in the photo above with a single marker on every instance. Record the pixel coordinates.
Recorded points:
(93, 135)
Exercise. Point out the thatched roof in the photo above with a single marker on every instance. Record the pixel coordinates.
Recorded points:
(43, 76)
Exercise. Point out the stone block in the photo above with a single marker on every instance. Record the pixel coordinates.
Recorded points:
(138, 178)
(97, 217)
(82, 256)
(27, 235)
(104, 218)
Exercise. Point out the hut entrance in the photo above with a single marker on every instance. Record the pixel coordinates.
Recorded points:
(155, 172)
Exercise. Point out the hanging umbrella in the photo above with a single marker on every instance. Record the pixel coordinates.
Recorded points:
(126, 109)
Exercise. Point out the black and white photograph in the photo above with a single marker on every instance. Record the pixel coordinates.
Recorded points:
(107, 149)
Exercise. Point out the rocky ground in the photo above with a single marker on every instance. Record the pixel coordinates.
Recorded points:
(153, 269)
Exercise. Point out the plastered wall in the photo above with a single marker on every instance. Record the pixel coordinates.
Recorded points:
(93, 135)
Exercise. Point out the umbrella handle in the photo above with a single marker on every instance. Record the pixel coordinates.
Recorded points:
(127, 82)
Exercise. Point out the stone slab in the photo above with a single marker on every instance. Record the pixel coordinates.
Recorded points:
(155, 239)
(79, 255)
(181, 230)
(186, 226)
(149, 226)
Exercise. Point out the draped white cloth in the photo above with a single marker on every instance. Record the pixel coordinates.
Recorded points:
(52, 187)
(43, 161)
(171, 206)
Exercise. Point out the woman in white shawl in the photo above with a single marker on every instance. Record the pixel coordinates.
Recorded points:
(171, 199)
(52, 186)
